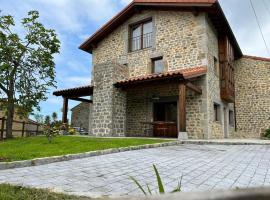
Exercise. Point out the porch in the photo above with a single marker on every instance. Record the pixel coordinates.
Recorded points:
(165, 105)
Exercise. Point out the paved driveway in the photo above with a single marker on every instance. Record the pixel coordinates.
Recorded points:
(205, 167)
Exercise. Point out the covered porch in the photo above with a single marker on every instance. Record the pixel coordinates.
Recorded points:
(81, 94)
(161, 105)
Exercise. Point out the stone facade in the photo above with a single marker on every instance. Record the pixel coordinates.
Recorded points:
(252, 81)
(80, 116)
(189, 50)
(109, 102)
(183, 40)
(222, 128)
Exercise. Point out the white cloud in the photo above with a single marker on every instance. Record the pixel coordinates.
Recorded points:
(77, 81)
(242, 20)
(125, 2)
(66, 15)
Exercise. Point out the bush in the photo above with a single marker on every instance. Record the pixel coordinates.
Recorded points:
(267, 133)
(72, 131)
(51, 132)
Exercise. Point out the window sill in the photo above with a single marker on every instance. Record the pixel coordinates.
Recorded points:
(139, 50)
(218, 122)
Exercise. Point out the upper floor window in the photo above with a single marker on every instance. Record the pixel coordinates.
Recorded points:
(158, 65)
(141, 35)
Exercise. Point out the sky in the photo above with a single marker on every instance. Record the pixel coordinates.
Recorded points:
(75, 20)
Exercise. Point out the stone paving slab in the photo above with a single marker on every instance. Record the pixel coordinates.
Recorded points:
(204, 168)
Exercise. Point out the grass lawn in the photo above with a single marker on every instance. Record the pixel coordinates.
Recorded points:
(38, 147)
(8, 192)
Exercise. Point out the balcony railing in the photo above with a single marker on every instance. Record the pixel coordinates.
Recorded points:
(141, 42)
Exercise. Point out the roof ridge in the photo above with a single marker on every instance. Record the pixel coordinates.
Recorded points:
(257, 58)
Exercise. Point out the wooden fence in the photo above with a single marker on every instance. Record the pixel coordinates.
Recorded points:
(21, 128)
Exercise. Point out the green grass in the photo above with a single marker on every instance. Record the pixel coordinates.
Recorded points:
(8, 192)
(38, 147)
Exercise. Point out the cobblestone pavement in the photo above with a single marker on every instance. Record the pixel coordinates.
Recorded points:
(204, 167)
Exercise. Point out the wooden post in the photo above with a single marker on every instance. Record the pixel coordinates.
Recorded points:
(37, 129)
(2, 128)
(23, 127)
(182, 107)
(65, 110)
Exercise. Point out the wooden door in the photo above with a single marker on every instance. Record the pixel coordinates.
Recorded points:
(165, 119)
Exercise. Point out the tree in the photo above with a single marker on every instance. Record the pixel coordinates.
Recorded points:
(47, 120)
(39, 118)
(54, 116)
(27, 68)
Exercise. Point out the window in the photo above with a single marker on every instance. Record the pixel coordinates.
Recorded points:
(141, 35)
(216, 112)
(231, 118)
(158, 65)
(216, 66)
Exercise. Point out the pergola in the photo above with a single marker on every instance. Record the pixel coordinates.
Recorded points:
(76, 94)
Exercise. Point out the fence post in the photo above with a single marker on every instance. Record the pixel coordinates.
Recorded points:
(37, 129)
(2, 128)
(23, 129)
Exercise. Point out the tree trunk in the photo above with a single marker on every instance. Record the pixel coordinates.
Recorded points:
(10, 111)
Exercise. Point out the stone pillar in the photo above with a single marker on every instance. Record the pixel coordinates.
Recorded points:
(109, 102)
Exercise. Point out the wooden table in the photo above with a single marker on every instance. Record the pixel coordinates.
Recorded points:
(163, 128)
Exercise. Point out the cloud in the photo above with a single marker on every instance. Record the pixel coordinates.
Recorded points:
(125, 2)
(77, 81)
(243, 22)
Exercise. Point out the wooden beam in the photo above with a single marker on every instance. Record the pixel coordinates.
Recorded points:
(182, 107)
(82, 100)
(194, 88)
(65, 110)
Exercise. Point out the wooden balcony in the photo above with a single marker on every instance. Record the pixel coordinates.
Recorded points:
(226, 58)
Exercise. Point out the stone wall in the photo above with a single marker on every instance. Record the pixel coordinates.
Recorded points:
(109, 102)
(216, 129)
(178, 36)
(252, 82)
(80, 115)
(140, 108)
(187, 50)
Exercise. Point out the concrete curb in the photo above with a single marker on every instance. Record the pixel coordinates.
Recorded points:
(226, 142)
(47, 160)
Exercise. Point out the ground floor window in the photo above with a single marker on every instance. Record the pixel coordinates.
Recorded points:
(231, 118)
(216, 112)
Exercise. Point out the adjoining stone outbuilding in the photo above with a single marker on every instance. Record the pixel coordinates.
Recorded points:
(173, 69)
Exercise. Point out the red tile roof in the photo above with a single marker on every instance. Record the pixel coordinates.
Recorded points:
(257, 58)
(182, 73)
(212, 6)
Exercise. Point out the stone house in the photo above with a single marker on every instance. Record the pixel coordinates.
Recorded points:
(173, 68)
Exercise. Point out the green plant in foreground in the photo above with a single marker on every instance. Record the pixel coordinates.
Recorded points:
(50, 132)
(267, 133)
(159, 182)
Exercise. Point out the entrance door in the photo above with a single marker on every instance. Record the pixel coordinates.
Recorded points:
(165, 119)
